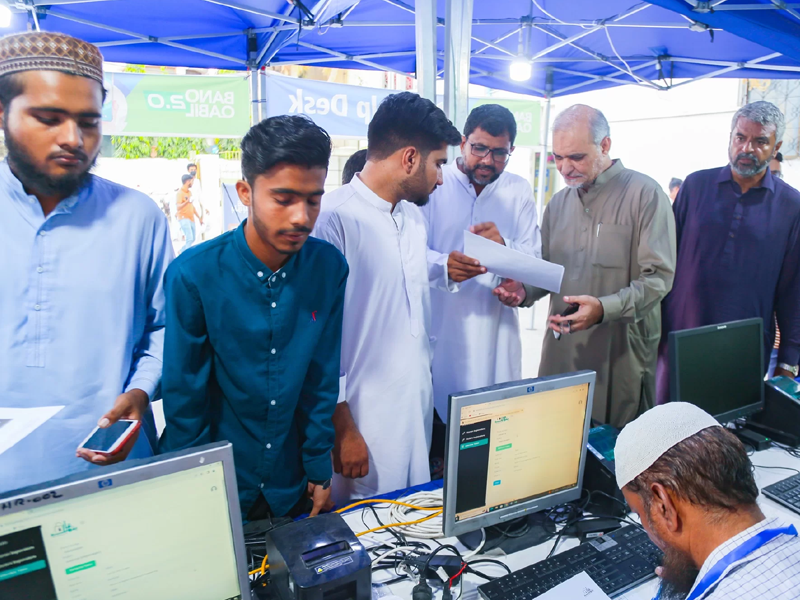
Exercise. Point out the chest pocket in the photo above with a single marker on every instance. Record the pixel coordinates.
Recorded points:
(612, 248)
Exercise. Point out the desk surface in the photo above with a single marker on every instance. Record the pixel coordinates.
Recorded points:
(764, 477)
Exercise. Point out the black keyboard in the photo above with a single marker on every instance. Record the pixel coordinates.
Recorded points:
(785, 492)
(617, 562)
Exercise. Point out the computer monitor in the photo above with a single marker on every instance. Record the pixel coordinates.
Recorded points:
(720, 368)
(168, 527)
(515, 449)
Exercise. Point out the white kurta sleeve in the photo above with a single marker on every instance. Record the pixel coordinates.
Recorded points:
(527, 236)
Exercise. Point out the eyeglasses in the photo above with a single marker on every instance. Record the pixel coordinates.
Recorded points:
(499, 155)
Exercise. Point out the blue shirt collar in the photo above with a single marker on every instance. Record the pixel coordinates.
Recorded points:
(258, 268)
(768, 182)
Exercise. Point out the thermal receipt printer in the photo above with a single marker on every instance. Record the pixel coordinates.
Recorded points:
(318, 559)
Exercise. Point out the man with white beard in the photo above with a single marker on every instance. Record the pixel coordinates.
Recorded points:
(613, 231)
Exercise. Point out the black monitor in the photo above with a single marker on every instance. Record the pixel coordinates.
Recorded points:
(719, 368)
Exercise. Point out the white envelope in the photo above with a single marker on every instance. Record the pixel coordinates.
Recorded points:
(513, 264)
(580, 587)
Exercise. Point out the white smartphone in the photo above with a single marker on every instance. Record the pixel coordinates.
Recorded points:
(111, 439)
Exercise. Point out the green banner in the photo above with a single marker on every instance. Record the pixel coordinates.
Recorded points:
(528, 116)
(176, 105)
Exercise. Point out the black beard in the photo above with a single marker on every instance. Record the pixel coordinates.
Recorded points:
(33, 180)
(411, 189)
(470, 173)
(678, 576)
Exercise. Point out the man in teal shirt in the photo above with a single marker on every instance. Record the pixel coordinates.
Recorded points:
(254, 326)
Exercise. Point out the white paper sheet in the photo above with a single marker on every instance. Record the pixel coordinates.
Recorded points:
(513, 264)
(580, 587)
(16, 423)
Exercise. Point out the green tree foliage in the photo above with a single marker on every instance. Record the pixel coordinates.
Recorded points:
(127, 146)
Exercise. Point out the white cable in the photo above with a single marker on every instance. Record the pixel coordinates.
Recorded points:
(430, 529)
(627, 66)
(394, 551)
(478, 548)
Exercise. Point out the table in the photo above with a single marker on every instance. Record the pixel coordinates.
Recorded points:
(764, 476)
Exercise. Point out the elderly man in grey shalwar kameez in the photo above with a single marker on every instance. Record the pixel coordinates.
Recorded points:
(614, 232)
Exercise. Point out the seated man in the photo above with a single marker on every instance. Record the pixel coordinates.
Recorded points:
(254, 328)
(691, 483)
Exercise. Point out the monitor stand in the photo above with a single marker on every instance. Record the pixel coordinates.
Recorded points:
(513, 536)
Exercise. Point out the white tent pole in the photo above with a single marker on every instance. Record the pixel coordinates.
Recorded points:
(545, 131)
(254, 106)
(458, 37)
(425, 29)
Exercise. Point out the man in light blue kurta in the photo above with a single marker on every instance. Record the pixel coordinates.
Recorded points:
(82, 262)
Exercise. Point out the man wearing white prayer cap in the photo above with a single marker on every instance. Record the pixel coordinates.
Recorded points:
(691, 483)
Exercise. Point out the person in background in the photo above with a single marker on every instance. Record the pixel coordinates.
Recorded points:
(738, 244)
(613, 231)
(82, 261)
(674, 187)
(186, 211)
(776, 165)
(691, 483)
(384, 417)
(254, 326)
(353, 165)
(478, 340)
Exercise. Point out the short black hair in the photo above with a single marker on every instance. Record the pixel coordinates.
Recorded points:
(493, 119)
(354, 164)
(675, 183)
(11, 86)
(185, 178)
(407, 119)
(710, 469)
(190, 165)
(289, 139)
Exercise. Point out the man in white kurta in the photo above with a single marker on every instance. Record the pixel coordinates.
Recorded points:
(386, 345)
(477, 338)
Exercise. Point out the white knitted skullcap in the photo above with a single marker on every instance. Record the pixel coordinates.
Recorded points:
(643, 441)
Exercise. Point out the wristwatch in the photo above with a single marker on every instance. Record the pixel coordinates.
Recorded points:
(794, 370)
(325, 484)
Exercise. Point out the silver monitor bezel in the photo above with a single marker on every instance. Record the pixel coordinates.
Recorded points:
(100, 480)
(503, 392)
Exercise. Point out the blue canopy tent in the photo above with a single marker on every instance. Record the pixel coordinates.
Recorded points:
(570, 46)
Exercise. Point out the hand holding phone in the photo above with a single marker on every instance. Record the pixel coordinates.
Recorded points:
(570, 310)
(110, 440)
(128, 406)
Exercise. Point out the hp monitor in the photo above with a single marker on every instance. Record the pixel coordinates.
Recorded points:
(167, 527)
(720, 368)
(515, 449)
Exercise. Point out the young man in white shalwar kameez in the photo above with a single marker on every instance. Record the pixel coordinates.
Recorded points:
(478, 342)
(384, 419)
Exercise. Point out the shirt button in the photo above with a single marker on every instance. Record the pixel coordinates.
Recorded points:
(272, 403)
(272, 278)
(283, 275)
(732, 235)
(584, 228)
(586, 210)
(42, 233)
(260, 273)
(273, 351)
(39, 270)
(581, 248)
(269, 446)
(274, 305)
(261, 485)
(37, 307)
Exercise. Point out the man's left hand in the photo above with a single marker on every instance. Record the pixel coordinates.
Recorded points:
(590, 313)
(489, 231)
(321, 498)
(130, 405)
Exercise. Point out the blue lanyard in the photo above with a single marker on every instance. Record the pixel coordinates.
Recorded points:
(714, 574)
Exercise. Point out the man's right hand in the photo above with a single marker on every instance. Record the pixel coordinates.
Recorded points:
(511, 293)
(350, 454)
(461, 267)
